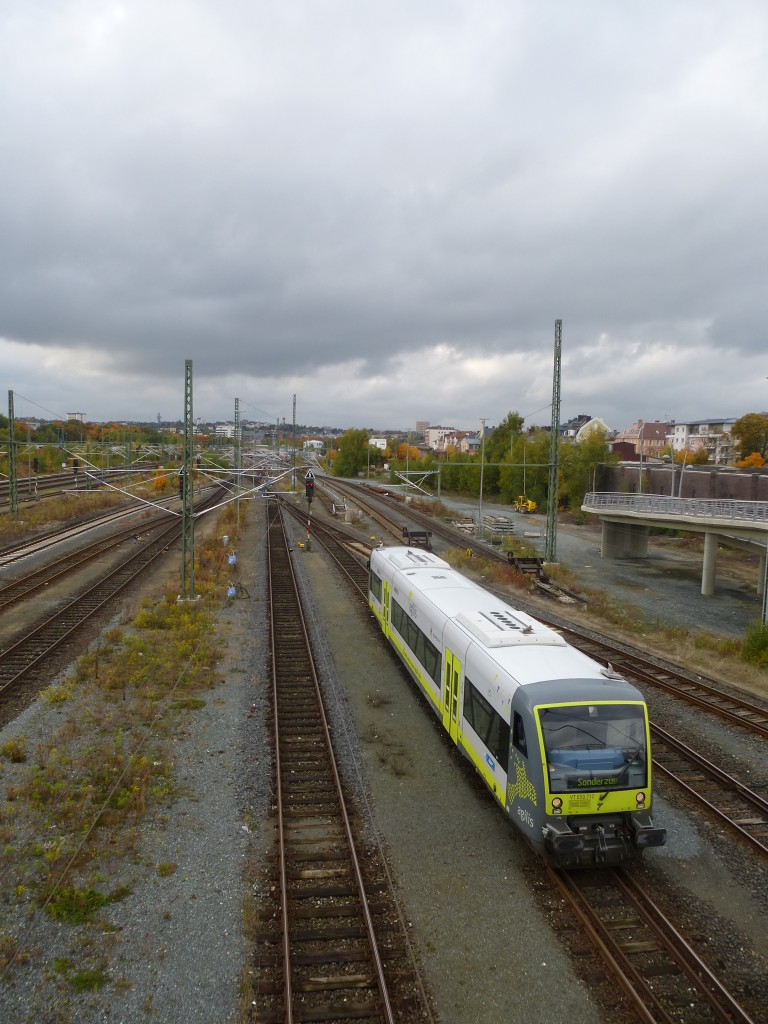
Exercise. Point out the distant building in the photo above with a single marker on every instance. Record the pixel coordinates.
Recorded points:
(648, 439)
(76, 417)
(593, 424)
(435, 436)
(313, 445)
(422, 426)
(574, 425)
(378, 442)
(713, 435)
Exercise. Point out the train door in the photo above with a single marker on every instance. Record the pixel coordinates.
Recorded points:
(451, 679)
(386, 608)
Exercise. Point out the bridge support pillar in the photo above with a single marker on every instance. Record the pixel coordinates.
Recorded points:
(761, 576)
(624, 540)
(708, 568)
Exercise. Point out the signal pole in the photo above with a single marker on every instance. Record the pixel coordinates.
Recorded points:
(13, 493)
(188, 493)
(550, 552)
(309, 490)
(293, 474)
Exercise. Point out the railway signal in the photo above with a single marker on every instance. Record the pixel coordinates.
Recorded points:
(309, 484)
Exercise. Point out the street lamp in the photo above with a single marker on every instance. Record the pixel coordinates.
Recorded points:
(482, 463)
(682, 470)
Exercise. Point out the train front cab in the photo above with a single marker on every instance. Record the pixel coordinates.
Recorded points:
(579, 783)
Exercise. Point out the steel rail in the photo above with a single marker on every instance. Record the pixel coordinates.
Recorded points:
(278, 536)
(665, 938)
(24, 586)
(287, 989)
(682, 952)
(38, 544)
(721, 778)
(630, 982)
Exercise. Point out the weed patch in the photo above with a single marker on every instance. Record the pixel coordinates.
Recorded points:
(83, 980)
(77, 906)
(15, 750)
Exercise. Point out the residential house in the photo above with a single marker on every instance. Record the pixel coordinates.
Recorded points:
(714, 435)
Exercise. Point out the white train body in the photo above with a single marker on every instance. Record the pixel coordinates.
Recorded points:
(561, 741)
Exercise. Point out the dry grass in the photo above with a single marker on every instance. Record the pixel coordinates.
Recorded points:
(71, 806)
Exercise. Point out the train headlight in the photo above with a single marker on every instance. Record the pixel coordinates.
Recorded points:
(639, 799)
(557, 803)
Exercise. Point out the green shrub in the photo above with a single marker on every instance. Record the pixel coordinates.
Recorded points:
(755, 647)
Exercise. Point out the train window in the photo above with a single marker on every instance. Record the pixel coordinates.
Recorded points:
(375, 585)
(594, 744)
(423, 648)
(518, 734)
(487, 723)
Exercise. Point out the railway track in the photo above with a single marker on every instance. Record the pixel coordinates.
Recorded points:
(660, 974)
(25, 658)
(347, 552)
(30, 583)
(740, 808)
(332, 945)
(50, 485)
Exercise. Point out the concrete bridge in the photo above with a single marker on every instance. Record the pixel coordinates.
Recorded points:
(627, 519)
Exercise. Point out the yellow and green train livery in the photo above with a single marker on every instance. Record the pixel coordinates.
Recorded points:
(561, 741)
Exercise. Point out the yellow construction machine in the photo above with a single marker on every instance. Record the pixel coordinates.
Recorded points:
(523, 504)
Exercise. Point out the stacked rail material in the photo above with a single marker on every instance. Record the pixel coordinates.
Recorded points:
(499, 526)
(465, 525)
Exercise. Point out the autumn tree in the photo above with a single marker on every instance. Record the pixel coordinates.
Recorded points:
(688, 457)
(751, 431)
(753, 461)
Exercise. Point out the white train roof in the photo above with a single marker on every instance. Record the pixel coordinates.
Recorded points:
(518, 643)
(489, 619)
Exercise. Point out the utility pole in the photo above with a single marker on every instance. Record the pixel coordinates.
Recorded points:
(482, 465)
(293, 474)
(550, 552)
(238, 457)
(13, 492)
(188, 493)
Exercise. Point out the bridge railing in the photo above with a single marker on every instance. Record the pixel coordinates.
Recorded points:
(660, 504)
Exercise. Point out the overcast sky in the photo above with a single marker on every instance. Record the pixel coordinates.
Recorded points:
(382, 207)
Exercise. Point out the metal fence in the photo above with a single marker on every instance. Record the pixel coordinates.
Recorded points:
(659, 504)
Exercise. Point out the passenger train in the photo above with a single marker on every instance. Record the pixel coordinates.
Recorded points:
(561, 742)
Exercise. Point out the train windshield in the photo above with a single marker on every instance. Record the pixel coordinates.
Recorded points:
(594, 746)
